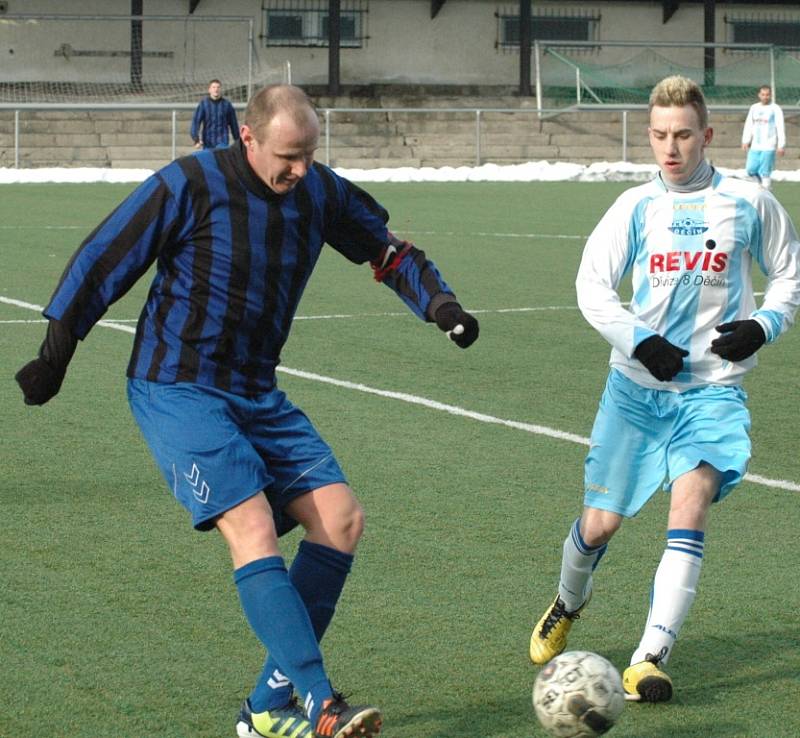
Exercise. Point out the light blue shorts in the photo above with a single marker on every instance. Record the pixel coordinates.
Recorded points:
(217, 449)
(760, 163)
(644, 438)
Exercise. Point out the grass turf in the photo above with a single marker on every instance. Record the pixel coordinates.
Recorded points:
(116, 619)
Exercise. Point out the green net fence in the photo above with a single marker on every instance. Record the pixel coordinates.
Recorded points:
(625, 75)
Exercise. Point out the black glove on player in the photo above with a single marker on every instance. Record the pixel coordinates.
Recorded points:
(739, 339)
(662, 359)
(40, 379)
(460, 326)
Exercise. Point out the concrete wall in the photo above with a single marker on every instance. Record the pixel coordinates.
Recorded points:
(98, 50)
(405, 45)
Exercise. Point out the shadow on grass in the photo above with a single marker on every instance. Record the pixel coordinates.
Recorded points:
(718, 694)
(514, 718)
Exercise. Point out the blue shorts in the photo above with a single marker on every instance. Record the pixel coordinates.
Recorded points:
(217, 449)
(760, 163)
(645, 438)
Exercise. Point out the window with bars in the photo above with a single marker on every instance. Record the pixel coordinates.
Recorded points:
(307, 23)
(757, 29)
(547, 26)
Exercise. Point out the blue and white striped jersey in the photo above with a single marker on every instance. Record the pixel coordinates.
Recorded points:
(233, 259)
(690, 257)
(763, 128)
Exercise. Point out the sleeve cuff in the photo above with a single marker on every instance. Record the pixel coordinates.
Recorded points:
(439, 299)
(766, 326)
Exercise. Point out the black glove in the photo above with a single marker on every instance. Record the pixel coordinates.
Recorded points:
(39, 381)
(662, 359)
(739, 339)
(461, 327)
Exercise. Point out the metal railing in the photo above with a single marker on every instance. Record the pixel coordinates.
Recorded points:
(328, 115)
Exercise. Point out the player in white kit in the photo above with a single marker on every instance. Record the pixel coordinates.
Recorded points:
(763, 135)
(673, 412)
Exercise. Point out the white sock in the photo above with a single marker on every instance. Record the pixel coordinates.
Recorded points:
(674, 588)
(766, 182)
(577, 564)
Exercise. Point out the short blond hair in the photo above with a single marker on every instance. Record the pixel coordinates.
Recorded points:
(265, 104)
(679, 91)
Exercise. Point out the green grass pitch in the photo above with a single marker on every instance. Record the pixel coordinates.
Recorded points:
(119, 621)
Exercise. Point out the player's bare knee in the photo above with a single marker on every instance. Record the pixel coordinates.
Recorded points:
(598, 526)
(248, 539)
(349, 527)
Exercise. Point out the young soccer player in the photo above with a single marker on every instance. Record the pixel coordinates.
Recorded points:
(673, 411)
(763, 136)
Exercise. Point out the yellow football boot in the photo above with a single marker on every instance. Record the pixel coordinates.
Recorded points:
(287, 722)
(549, 637)
(646, 682)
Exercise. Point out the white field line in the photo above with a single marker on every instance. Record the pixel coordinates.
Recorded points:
(541, 430)
(488, 234)
(407, 314)
(331, 316)
(9, 227)
(483, 234)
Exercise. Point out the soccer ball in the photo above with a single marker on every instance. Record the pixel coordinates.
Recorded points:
(578, 695)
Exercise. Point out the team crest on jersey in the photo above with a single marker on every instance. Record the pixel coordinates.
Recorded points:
(688, 227)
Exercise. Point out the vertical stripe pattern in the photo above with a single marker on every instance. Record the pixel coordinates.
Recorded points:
(233, 259)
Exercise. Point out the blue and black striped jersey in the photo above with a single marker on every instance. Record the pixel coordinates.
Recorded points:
(233, 259)
(211, 121)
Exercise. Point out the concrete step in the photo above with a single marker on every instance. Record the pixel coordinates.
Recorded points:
(159, 126)
(58, 162)
(371, 140)
(66, 154)
(361, 128)
(374, 163)
(520, 153)
(370, 152)
(446, 162)
(51, 126)
(365, 118)
(429, 117)
(137, 140)
(154, 164)
(58, 139)
(443, 139)
(152, 153)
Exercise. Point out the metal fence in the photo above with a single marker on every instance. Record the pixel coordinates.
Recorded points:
(328, 118)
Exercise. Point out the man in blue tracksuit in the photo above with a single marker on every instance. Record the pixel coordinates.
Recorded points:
(214, 115)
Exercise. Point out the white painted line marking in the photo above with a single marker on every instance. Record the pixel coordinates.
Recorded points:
(8, 227)
(541, 430)
(486, 234)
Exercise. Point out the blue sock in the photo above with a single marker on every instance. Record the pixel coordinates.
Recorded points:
(318, 574)
(278, 617)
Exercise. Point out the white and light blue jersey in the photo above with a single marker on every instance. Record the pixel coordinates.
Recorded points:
(763, 128)
(690, 257)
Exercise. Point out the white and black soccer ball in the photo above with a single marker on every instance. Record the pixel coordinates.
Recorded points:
(578, 694)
